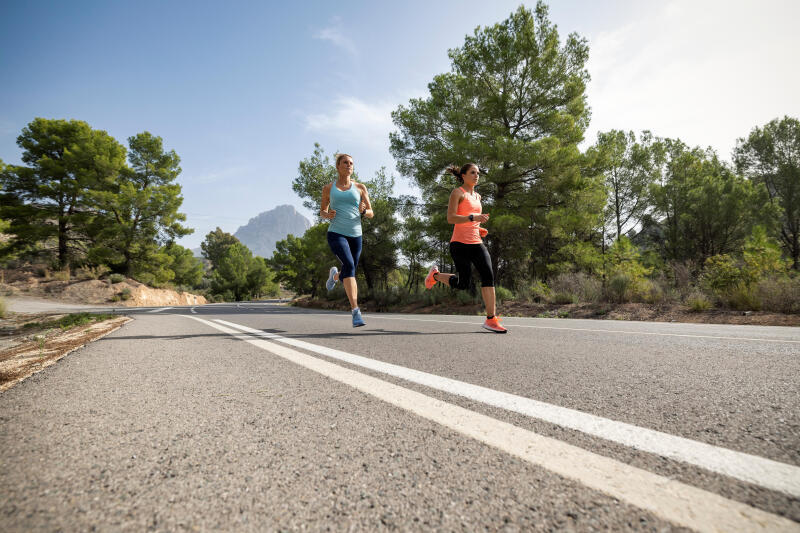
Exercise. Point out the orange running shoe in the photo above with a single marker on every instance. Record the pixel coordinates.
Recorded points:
(429, 279)
(493, 324)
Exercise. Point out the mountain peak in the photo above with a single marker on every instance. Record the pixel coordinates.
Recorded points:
(265, 229)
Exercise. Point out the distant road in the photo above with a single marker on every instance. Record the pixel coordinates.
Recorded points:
(29, 304)
(258, 416)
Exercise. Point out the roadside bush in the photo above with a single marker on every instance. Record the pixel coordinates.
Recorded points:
(92, 272)
(3, 307)
(625, 273)
(658, 291)
(42, 272)
(682, 275)
(698, 302)
(433, 297)
(620, 288)
(116, 278)
(62, 275)
(779, 294)
(537, 291)
(720, 274)
(568, 288)
(385, 298)
(468, 298)
(741, 297)
(502, 294)
(124, 294)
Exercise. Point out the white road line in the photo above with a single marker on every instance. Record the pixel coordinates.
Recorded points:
(159, 309)
(630, 332)
(671, 500)
(751, 468)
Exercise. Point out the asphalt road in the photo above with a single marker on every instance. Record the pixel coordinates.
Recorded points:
(258, 416)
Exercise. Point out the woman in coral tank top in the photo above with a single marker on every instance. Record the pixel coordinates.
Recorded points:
(466, 245)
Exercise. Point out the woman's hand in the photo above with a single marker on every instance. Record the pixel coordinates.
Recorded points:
(483, 217)
(330, 215)
(365, 210)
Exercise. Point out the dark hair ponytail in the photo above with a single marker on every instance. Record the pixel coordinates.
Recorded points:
(458, 172)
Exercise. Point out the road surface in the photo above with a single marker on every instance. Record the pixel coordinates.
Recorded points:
(259, 416)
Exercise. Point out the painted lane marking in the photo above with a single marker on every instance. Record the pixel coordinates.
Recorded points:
(671, 500)
(767, 473)
(595, 330)
(159, 309)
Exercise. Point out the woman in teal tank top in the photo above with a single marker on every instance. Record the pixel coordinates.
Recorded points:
(343, 203)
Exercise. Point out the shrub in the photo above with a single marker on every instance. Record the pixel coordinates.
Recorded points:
(658, 291)
(433, 297)
(537, 292)
(385, 298)
(620, 288)
(681, 274)
(762, 255)
(62, 275)
(502, 294)
(779, 294)
(625, 273)
(3, 307)
(698, 302)
(116, 278)
(42, 272)
(93, 272)
(742, 298)
(467, 297)
(721, 273)
(571, 288)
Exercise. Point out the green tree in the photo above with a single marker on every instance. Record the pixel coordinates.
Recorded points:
(629, 167)
(762, 255)
(139, 210)
(313, 173)
(302, 263)
(379, 234)
(187, 268)
(515, 104)
(705, 208)
(49, 199)
(241, 274)
(624, 271)
(216, 244)
(413, 244)
(771, 155)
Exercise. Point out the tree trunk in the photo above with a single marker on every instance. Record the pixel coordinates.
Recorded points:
(62, 243)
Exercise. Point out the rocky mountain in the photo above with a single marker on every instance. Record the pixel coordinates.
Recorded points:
(262, 231)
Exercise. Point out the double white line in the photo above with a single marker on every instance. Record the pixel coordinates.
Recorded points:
(676, 502)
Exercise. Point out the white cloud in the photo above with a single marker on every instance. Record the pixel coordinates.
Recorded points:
(707, 71)
(336, 35)
(355, 121)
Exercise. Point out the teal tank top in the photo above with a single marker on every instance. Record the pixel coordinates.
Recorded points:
(348, 218)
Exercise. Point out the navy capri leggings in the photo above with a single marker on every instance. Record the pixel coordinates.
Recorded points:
(466, 255)
(347, 250)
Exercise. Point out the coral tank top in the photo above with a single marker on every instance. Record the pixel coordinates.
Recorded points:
(468, 231)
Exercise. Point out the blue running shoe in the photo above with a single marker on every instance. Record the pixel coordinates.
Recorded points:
(357, 320)
(331, 283)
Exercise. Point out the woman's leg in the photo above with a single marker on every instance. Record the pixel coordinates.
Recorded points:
(483, 264)
(349, 280)
(489, 300)
(460, 253)
(341, 249)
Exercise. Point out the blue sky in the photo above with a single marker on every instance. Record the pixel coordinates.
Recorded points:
(242, 90)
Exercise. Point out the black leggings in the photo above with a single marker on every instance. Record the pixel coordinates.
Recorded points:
(466, 255)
